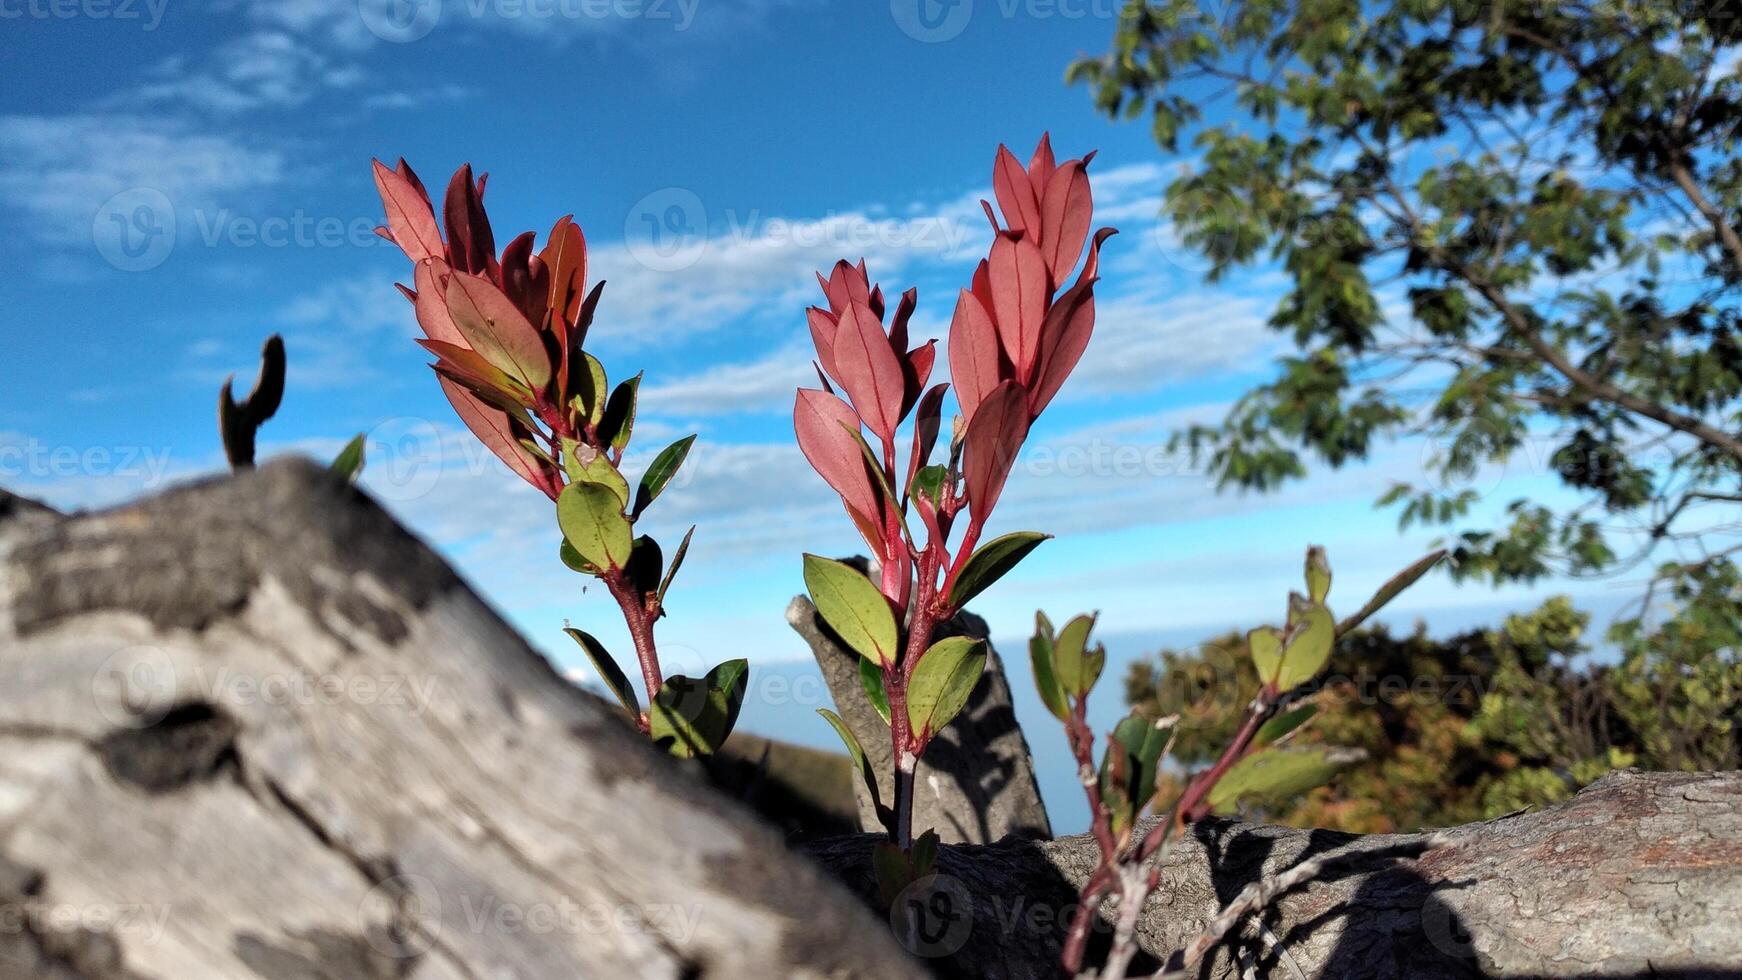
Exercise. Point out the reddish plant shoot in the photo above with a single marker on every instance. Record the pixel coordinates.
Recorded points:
(1017, 333)
(508, 332)
(1258, 761)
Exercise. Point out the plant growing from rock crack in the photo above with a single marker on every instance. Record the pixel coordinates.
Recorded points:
(508, 334)
(1256, 763)
(1016, 335)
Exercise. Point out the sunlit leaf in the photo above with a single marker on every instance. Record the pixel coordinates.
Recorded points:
(942, 681)
(853, 607)
(990, 563)
(608, 671)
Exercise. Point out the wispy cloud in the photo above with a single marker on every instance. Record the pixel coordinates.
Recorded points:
(61, 169)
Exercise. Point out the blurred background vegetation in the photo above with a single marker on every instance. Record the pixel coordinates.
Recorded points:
(1509, 230)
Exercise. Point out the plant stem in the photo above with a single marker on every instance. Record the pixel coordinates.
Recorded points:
(640, 622)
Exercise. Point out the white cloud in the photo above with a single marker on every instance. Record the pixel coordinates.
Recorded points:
(62, 169)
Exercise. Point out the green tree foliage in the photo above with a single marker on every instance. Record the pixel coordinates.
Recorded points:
(1477, 724)
(1505, 227)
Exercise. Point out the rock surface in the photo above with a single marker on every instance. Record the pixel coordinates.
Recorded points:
(976, 781)
(252, 728)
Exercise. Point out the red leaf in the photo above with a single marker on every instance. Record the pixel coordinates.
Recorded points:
(1041, 165)
(994, 438)
(974, 354)
(1018, 277)
(495, 328)
(823, 325)
(982, 283)
(471, 246)
(1066, 332)
(498, 435)
(409, 216)
(903, 313)
(925, 428)
(517, 276)
(825, 425)
(868, 370)
(565, 254)
(916, 368)
(431, 304)
(1016, 195)
(1066, 209)
(470, 367)
(846, 285)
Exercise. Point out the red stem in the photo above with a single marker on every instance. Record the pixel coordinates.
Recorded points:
(639, 619)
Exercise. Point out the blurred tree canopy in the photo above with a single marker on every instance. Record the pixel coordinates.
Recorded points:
(1475, 725)
(1505, 226)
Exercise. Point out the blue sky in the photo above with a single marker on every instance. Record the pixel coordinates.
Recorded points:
(178, 179)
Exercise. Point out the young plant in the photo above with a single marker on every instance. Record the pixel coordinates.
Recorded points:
(1256, 762)
(1015, 337)
(508, 333)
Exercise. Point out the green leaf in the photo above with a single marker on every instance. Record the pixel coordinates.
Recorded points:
(692, 717)
(1390, 590)
(871, 679)
(990, 562)
(853, 608)
(929, 480)
(1308, 647)
(1284, 724)
(1318, 574)
(584, 464)
(645, 563)
(860, 762)
(349, 462)
(1077, 665)
(1265, 642)
(1143, 741)
(924, 855)
(893, 871)
(660, 472)
(592, 386)
(730, 680)
(683, 549)
(592, 520)
(1274, 774)
(608, 671)
(573, 559)
(618, 421)
(1040, 656)
(942, 681)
